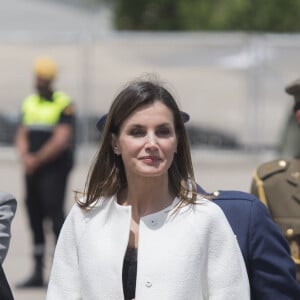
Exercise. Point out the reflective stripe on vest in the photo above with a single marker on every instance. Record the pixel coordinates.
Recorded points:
(39, 112)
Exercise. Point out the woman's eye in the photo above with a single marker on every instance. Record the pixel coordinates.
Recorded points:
(163, 132)
(137, 132)
(140, 132)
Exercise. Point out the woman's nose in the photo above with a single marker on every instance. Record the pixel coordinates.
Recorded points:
(151, 139)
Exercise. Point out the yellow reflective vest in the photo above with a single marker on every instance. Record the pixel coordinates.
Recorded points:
(40, 112)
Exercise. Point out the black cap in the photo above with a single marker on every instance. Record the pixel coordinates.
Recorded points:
(294, 89)
(101, 122)
(185, 116)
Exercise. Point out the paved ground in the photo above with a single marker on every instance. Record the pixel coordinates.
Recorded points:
(214, 170)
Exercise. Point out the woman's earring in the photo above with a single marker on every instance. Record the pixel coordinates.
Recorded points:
(116, 150)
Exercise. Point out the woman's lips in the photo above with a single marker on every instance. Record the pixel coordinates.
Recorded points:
(150, 159)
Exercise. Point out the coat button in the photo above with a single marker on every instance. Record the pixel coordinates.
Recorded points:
(290, 232)
(216, 194)
(282, 163)
(148, 283)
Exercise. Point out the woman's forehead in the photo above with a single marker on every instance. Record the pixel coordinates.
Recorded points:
(153, 112)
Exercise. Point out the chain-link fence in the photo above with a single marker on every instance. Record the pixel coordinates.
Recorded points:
(231, 84)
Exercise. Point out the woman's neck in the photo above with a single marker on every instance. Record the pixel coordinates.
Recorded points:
(146, 196)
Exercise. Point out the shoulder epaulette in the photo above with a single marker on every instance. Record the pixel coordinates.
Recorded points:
(270, 168)
(263, 172)
(232, 195)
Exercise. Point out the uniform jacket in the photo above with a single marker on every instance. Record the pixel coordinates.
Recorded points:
(271, 270)
(277, 184)
(8, 205)
(189, 255)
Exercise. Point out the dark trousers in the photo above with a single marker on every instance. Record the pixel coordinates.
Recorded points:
(5, 291)
(45, 193)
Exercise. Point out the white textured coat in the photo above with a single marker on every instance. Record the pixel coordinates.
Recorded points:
(190, 255)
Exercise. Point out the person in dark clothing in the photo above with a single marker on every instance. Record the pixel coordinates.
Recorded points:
(271, 270)
(45, 143)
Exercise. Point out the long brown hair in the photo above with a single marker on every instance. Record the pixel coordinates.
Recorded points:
(107, 174)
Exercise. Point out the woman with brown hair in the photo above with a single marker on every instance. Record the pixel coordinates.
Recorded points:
(142, 231)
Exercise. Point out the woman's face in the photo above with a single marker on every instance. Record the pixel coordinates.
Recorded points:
(147, 141)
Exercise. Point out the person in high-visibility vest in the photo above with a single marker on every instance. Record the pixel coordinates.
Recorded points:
(45, 144)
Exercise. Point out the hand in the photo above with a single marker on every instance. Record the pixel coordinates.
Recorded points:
(30, 163)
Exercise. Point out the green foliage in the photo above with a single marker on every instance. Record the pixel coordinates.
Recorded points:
(278, 15)
(249, 15)
(146, 15)
(213, 14)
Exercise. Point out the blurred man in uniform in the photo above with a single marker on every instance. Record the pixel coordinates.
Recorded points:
(44, 141)
(277, 185)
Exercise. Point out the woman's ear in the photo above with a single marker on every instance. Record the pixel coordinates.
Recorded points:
(115, 144)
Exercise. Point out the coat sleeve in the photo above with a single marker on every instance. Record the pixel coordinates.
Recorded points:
(8, 206)
(272, 271)
(227, 274)
(5, 291)
(64, 282)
